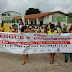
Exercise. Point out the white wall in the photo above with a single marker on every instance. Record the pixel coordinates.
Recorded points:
(58, 14)
(39, 19)
(46, 20)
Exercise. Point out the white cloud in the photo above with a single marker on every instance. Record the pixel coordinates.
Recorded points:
(44, 5)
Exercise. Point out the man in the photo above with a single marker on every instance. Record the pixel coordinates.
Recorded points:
(2, 27)
(52, 31)
(67, 54)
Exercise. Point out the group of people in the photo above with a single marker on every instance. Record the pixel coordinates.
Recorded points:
(48, 28)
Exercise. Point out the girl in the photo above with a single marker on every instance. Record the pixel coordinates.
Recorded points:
(25, 57)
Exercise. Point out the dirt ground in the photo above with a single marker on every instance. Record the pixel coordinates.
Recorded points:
(37, 63)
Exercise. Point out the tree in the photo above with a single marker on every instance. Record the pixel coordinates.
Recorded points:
(32, 11)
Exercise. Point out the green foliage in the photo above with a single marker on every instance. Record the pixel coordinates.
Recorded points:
(32, 11)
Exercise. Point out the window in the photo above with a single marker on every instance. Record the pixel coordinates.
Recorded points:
(58, 18)
(41, 23)
(13, 21)
(31, 22)
(69, 19)
(35, 22)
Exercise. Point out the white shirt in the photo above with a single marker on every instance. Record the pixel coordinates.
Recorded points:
(19, 28)
(58, 29)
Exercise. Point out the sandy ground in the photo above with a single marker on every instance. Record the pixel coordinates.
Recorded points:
(37, 63)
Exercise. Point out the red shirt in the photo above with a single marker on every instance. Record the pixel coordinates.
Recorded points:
(71, 27)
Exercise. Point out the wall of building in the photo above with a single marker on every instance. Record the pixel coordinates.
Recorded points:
(46, 20)
(33, 20)
(59, 14)
(49, 18)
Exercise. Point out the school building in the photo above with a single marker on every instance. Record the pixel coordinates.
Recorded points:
(40, 18)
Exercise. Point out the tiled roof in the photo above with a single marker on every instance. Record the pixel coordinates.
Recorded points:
(16, 17)
(32, 16)
(42, 14)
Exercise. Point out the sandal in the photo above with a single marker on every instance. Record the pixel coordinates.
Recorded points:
(23, 63)
(51, 62)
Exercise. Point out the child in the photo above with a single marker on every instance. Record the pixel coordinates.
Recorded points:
(10, 29)
(13, 29)
(25, 57)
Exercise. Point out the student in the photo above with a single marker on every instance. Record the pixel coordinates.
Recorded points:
(64, 30)
(23, 29)
(49, 25)
(20, 25)
(25, 57)
(42, 30)
(59, 27)
(2, 27)
(10, 29)
(27, 29)
(52, 31)
(13, 29)
(67, 54)
(36, 30)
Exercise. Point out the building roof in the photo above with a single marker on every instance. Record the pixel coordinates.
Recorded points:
(42, 14)
(32, 16)
(16, 17)
(11, 13)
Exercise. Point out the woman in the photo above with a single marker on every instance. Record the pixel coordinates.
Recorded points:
(25, 57)
(59, 27)
(20, 25)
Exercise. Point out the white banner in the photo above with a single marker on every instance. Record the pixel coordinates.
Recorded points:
(35, 43)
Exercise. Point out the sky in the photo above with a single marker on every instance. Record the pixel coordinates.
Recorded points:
(44, 5)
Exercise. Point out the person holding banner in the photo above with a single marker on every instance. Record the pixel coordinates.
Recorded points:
(23, 29)
(52, 31)
(2, 27)
(25, 57)
(67, 54)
